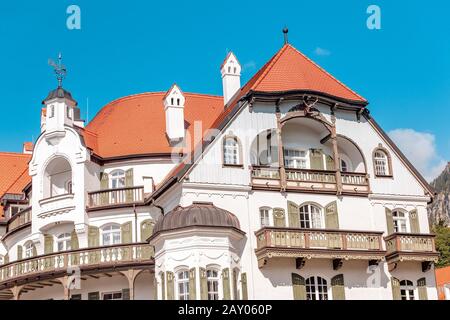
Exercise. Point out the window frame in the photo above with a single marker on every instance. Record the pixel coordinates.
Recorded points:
(111, 232)
(302, 221)
(238, 147)
(65, 239)
(298, 159)
(112, 293)
(318, 289)
(268, 210)
(113, 177)
(404, 219)
(28, 249)
(184, 282)
(407, 289)
(388, 165)
(214, 279)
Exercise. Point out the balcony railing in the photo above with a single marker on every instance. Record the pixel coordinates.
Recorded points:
(306, 179)
(116, 197)
(108, 256)
(294, 242)
(19, 219)
(410, 246)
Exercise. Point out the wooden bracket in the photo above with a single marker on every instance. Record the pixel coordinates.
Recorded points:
(262, 262)
(426, 265)
(392, 266)
(359, 113)
(299, 263)
(337, 264)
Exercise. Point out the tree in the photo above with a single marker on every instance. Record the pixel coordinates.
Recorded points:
(442, 241)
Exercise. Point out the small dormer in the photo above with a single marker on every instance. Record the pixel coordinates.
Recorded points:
(231, 76)
(174, 109)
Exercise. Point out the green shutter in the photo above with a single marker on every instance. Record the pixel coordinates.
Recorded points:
(34, 251)
(170, 286)
(203, 284)
(329, 162)
(316, 159)
(293, 215)
(93, 242)
(48, 243)
(6, 258)
(337, 287)
(129, 183)
(163, 286)
(244, 286)
(75, 257)
(422, 288)
(126, 294)
(389, 221)
(19, 253)
(146, 229)
(298, 287)
(226, 284)
(395, 283)
(94, 295)
(192, 284)
(279, 219)
(331, 216)
(104, 185)
(126, 230)
(414, 221)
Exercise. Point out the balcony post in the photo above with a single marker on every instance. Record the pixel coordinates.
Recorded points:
(66, 286)
(280, 149)
(131, 275)
(337, 165)
(16, 290)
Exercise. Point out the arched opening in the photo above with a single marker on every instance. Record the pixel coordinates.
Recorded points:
(57, 178)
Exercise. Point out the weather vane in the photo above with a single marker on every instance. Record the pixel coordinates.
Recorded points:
(60, 69)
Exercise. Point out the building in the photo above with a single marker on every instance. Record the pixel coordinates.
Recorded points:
(284, 188)
(443, 282)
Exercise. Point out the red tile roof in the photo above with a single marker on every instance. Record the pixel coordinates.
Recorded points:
(442, 279)
(135, 124)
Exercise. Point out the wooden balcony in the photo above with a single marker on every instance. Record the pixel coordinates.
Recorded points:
(19, 220)
(318, 243)
(116, 197)
(410, 247)
(52, 265)
(307, 180)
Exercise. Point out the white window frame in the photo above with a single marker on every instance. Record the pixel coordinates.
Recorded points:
(317, 288)
(298, 157)
(231, 151)
(28, 246)
(407, 290)
(315, 216)
(183, 284)
(112, 293)
(117, 179)
(381, 163)
(110, 230)
(264, 221)
(400, 221)
(213, 281)
(63, 242)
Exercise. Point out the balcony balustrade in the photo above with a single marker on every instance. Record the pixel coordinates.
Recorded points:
(116, 197)
(318, 243)
(18, 220)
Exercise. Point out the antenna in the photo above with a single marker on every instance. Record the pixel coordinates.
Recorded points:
(285, 32)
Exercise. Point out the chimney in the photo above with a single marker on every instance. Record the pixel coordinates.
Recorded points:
(174, 109)
(231, 76)
(27, 148)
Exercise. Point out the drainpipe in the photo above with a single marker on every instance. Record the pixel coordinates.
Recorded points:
(135, 223)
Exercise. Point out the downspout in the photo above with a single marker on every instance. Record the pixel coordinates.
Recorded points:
(135, 223)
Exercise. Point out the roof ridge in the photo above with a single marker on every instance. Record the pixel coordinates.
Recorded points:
(326, 72)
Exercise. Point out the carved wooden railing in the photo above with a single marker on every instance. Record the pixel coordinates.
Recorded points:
(60, 261)
(19, 219)
(113, 197)
(355, 178)
(270, 237)
(307, 175)
(265, 172)
(410, 242)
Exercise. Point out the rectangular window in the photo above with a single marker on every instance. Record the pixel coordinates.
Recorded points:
(112, 295)
(230, 151)
(183, 285)
(295, 159)
(264, 217)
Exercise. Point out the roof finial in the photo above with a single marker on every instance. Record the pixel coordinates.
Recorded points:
(285, 32)
(60, 69)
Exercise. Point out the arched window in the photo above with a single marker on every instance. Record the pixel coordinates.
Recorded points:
(183, 285)
(344, 166)
(311, 217)
(264, 217)
(400, 220)
(316, 288)
(406, 290)
(117, 179)
(29, 249)
(111, 234)
(231, 151)
(382, 162)
(64, 242)
(212, 277)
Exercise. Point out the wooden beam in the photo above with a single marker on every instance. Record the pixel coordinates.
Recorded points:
(93, 276)
(45, 284)
(325, 139)
(107, 274)
(35, 286)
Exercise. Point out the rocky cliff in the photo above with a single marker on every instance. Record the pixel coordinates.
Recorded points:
(439, 210)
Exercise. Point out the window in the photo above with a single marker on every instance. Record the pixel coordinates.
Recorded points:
(231, 151)
(264, 217)
(212, 277)
(63, 241)
(400, 221)
(344, 167)
(406, 290)
(28, 249)
(294, 159)
(69, 113)
(52, 111)
(311, 216)
(381, 163)
(316, 288)
(69, 187)
(112, 295)
(111, 234)
(183, 285)
(117, 179)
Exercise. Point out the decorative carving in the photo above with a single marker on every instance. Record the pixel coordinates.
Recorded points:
(392, 266)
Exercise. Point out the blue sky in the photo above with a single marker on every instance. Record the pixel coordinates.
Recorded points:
(127, 47)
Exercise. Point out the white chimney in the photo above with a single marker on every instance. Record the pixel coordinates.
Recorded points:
(231, 76)
(174, 107)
